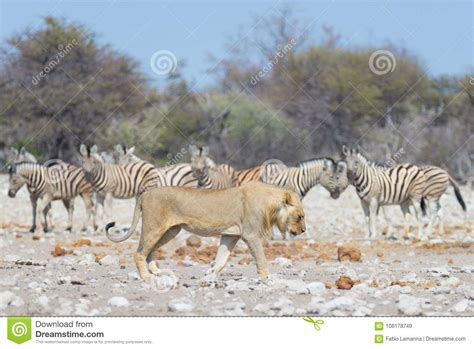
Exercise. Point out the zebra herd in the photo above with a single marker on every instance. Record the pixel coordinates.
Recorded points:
(100, 180)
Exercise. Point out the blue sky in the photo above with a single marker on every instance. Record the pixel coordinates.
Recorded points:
(439, 33)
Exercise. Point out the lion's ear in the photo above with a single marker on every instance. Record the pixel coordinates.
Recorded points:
(288, 199)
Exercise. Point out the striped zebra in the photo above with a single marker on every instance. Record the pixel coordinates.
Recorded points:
(59, 181)
(178, 175)
(205, 170)
(117, 181)
(300, 178)
(379, 186)
(437, 182)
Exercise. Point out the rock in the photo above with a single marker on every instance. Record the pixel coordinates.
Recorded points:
(316, 288)
(64, 280)
(409, 305)
(362, 311)
(342, 270)
(193, 241)
(188, 262)
(295, 285)
(468, 292)
(43, 301)
(263, 308)
(349, 254)
(283, 262)
(8, 298)
(452, 281)
(461, 306)
(109, 260)
(410, 277)
(442, 290)
(8, 281)
(133, 275)
(87, 259)
(11, 258)
(345, 283)
(180, 305)
(118, 302)
(32, 285)
(234, 309)
(362, 289)
(284, 307)
(234, 285)
(438, 271)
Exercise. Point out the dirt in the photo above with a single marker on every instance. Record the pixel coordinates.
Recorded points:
(332, 269)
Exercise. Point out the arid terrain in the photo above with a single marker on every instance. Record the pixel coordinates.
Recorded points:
(331, 270)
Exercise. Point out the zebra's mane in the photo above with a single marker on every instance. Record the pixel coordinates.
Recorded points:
(372, 163)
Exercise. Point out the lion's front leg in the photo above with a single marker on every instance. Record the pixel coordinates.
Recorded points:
(226, 247)
(256, 249)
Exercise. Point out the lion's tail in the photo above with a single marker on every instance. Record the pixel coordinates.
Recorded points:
(136, 218)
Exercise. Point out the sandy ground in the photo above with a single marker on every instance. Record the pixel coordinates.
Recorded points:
(93, 276)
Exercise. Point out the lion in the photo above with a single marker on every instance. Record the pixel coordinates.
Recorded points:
(248, 212)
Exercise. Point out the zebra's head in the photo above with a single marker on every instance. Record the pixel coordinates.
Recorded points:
(334, 177)
(91, 159)
(124, 155)
(354, 160)
(200, 162)
(15, 181)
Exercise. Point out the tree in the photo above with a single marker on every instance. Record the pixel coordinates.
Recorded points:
(60, 87)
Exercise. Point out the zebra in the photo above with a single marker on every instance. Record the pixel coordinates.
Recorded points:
(205, 170)
(178, 175)
(379, 186)
(60, 181)
(117, 181)
(437, 182)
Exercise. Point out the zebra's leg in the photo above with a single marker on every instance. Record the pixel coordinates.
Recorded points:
(226, 247)
(168, 236)
(440, 219)
(45, 207)
(418, 214)
(433, 213)
(406, 219)
(69, 204)
(90, 209)
(373, 206)
(389, 222)
(365, 208)
(108, 206)
(34, 202)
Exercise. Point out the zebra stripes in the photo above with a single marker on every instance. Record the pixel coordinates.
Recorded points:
(437, 182)
(57, 182)
(378, 186)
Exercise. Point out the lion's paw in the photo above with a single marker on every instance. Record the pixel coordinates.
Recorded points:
(209, 280)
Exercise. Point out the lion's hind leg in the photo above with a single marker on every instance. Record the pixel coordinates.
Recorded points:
(169, 235)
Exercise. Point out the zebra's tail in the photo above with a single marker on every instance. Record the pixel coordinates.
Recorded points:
(136, 218)
(457, 192)
(423, 205)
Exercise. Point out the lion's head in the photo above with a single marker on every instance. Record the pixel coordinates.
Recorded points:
(290, 215)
